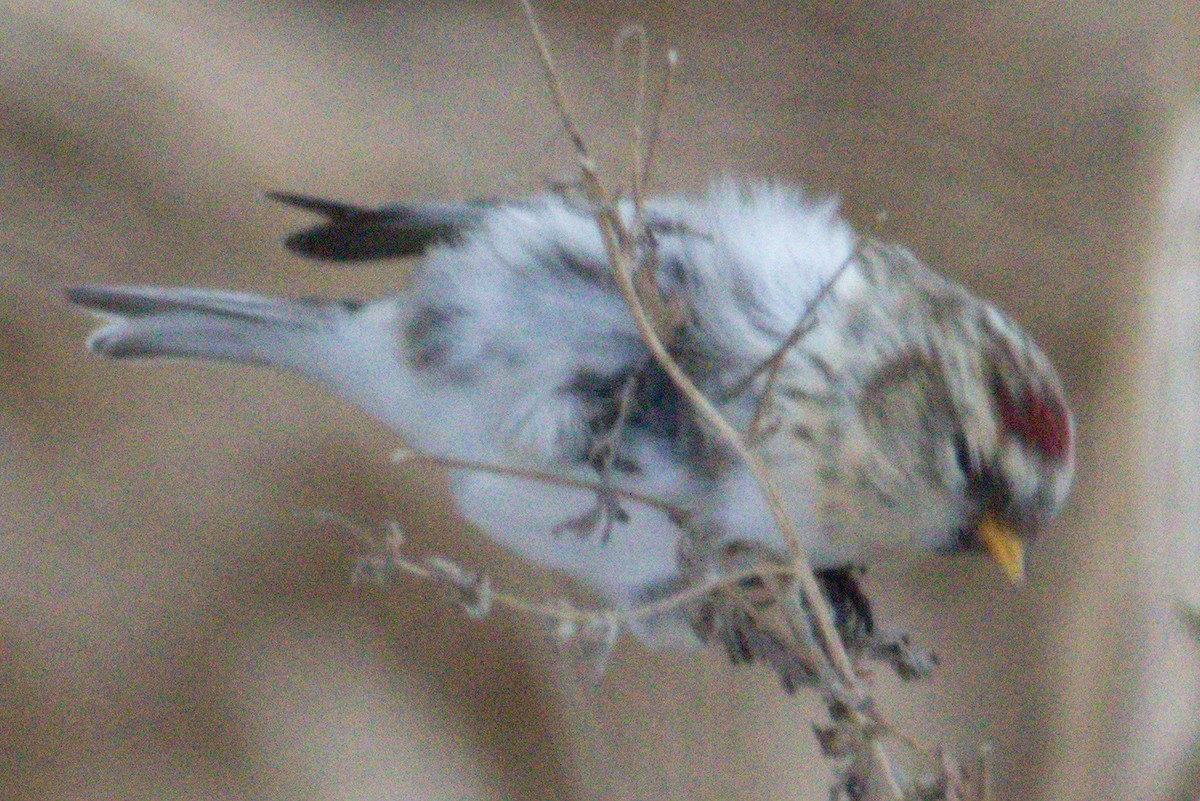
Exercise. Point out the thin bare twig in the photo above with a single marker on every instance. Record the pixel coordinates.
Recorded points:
(551, 74)
(880, 755)
(855, 720)
(663, 317)
(444, 570)
(676, 513)
(637, 35)
(618, 248)
(645, 130)
(658, 108)
(986, 787)
(773, 364)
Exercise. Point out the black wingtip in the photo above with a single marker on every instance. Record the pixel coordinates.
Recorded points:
(333, 243)
(334, 211)
(354, 233)
(338, 239)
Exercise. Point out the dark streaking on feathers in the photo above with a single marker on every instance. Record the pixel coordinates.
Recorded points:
(510, 343)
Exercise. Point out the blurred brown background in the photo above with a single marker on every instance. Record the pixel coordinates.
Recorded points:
(173, 624)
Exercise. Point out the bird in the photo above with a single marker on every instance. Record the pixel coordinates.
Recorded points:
(892, 409)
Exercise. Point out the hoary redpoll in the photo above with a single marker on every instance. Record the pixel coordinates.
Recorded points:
(891, 407)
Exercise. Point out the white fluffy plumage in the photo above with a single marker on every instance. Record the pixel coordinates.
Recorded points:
(908, 412)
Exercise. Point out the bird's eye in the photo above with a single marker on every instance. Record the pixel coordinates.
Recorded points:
(962, 454)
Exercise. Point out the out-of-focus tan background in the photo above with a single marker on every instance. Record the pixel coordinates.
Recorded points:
(174, 624)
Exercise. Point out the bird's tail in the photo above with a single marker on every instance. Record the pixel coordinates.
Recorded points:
(219, 326)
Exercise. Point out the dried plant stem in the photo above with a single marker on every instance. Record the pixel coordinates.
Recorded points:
(657, 321)
(636, 34)
(561, 612)
(645, 132)
(655, 126)
(880, 755)
(543, 477)
(556, 89)
(775, 363)
(618, 247)
(986, 791)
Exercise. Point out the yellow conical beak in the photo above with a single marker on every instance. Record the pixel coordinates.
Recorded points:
(1004, 545)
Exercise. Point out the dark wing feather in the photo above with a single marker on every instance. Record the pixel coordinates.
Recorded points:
(354, 233)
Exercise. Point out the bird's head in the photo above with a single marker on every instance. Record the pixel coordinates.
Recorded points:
(1015, 445)
(967, 411)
